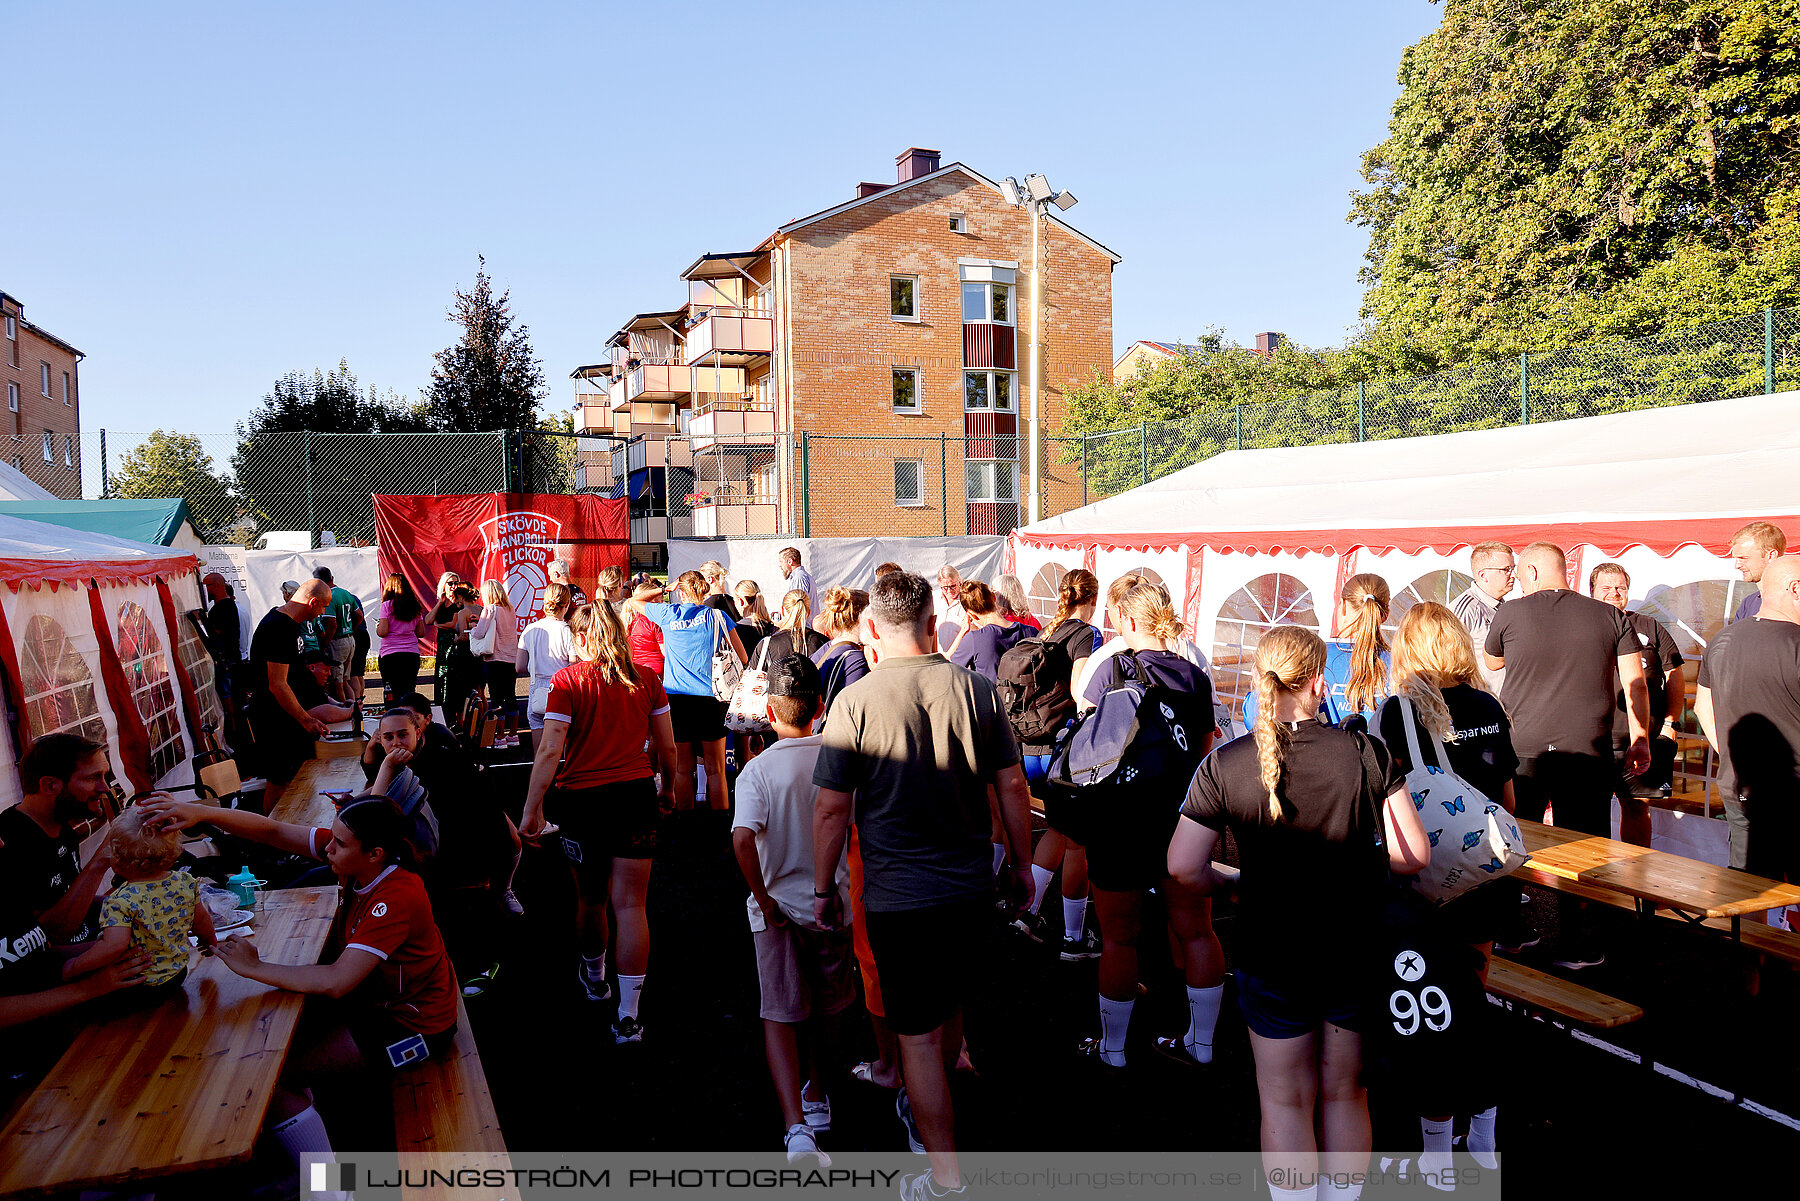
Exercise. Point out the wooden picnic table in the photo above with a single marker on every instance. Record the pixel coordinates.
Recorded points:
(1654, 879)
(301, 799)
(179, 1087)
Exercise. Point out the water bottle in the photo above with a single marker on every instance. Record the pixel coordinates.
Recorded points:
(244, 884)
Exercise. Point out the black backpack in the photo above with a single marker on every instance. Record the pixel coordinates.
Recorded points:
(1034, 686)
(1141, 732)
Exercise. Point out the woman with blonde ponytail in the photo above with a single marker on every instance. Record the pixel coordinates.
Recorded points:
(593, 777)
(793, 634)
(1300, 799)
(841, 662)
(1356, 663)
(1128, 840)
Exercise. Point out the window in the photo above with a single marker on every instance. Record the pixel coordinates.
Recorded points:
(909, 482)
(984, 390)
(1046, 586)
(18, 462)
(44, 378)
(147, 674)
(1248, 614)
(959, 223)
(49, 446)
(59, 688)
(987, 302)
(12, 397)
(12, 329)
(68, 393)
(199, 663)
(903, 297)
(1442, 586)
(69, 451)
(906, 390)
(990, 480)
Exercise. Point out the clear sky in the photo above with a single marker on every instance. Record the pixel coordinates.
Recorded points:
(202, 198)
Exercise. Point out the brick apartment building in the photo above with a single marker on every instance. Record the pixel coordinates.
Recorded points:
(893, 331)
(41, 374)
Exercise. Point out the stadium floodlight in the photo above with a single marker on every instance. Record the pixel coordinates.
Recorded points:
(1038, 187)
(1064, 201)
(1009, 192)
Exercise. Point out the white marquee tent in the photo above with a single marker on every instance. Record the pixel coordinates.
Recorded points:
(1253, 538)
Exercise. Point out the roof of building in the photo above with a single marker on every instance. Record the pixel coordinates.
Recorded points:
(39, 330)
(722, 266)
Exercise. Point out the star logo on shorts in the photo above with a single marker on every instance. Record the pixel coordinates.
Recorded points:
(1409, 965)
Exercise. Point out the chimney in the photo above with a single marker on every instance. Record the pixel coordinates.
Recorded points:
(1266, 343)
(914, 162)
(869, 189)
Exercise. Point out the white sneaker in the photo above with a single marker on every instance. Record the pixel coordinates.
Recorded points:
(816, 1113)
(801, 1145)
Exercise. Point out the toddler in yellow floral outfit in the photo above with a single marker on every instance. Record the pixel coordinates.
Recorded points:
(152, 910)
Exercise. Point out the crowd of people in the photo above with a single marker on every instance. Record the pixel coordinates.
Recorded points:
(882, 815)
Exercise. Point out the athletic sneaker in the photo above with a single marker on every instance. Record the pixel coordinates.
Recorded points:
(627, 1030)
(1031, 925)
(1074, 950)
(816, 1113)
(903, 1107)
(801, 1145)
(511, 903)
(593, 990)
(922, 1187)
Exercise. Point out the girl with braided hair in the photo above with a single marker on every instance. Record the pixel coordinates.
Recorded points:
(1356, 664)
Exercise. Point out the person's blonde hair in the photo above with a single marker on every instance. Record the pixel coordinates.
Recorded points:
(843, 608)
(140, 849)
(610, 580)
(444, 589)
(493, 592)
(1149, 605)
(796, 611)
(604, 635)
(557, 599)
(1115, 591)
(1079, 587)
(1287, 659)
(1767, 536)
(713, 570)
(1368, 592)
(977, 598)
(1432, 652)
(1482, 554)
(750, 603)
(692, 585)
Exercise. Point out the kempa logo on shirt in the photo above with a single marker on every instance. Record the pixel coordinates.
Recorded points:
(519, 548)
(13, 950)
(379, 909)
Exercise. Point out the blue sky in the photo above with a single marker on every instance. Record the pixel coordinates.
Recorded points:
(205, 197)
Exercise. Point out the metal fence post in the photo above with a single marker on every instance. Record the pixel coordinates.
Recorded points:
(312, 510)
(944, 483)
(506, 462)
(1084, 442)
(1237, 423)
(805, 484)
(1362, 429)
(1768, 352)
(1524, 390)
(105, 481)
(1144, 448)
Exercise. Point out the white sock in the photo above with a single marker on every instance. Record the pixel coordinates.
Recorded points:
(629, 988)
(304, 1134)
(1040, 877)
(1437, 1158)
(1203, 1018)
(999, 856)
(1481, 1137)
(1115, 1020)
(595, 967)
(1330, 1190)
(1074, 917)
(1292, 1194)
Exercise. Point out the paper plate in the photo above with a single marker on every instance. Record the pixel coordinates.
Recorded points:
(239, 917)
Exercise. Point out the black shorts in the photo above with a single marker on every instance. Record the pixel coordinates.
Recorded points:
(696, 718)
(374, 1032)
(1066, 812)
(1578, 789)
(1129, 852)
(929, 959)
(613, 821)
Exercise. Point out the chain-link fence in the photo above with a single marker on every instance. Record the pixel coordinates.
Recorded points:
(1739, 357)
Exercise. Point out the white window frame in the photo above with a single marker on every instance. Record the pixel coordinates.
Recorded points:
(44, 377)
(49, 446)
(12, 328)
(917, 500)
(12, 398)
(918, 405)
(909, 317)
(69, 451)
(959, 223)
(987, 302)
(66, 391)
(1012, 392)
(994, 470)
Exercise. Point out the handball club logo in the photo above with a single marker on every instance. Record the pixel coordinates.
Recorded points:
(519, 548)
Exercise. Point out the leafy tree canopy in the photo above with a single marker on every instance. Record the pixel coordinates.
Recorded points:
(169, 465)
(490, 379)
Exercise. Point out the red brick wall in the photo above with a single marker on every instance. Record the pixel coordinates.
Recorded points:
(20, 361)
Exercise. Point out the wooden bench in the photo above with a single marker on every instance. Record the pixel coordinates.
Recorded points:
(1544, 993)
(1755, 936)
(444, 1116)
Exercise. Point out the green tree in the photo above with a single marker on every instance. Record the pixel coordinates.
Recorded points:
(1567, 170)
(489, 379)
(170, 465)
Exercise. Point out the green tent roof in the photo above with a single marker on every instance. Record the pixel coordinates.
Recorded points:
(155, 521)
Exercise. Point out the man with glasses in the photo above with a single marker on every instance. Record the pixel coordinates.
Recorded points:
(1610, 584)
(949, 603)
(1492, 564)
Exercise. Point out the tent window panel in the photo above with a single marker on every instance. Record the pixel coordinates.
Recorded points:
(1694, 613)
(1045, 585)
(1248, 614)
(147, 674)
(203, 672)
(1442, 587)
(59, 689)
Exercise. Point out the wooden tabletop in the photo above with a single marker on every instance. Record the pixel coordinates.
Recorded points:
(300, 800)
(1670, 881)
(179, 1087)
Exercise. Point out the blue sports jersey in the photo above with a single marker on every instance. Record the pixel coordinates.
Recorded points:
(690, 635)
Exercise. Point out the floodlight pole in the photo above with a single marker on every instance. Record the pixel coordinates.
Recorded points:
(1037, 318)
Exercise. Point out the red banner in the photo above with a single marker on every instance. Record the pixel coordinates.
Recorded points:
(511, 537)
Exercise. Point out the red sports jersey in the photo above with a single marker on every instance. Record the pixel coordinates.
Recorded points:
(391, 919)
(645, 638)
(609, 725)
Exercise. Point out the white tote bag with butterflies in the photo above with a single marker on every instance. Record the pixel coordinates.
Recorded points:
(1473, 839)
(749, 709)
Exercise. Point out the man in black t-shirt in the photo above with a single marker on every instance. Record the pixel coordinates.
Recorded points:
(64, 778)
(1561, 651)
(1610, 584)
(1748, 702)
(284, 729)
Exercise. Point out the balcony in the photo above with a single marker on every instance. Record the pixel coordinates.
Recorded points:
(646, 452)
(649, 529)
(728, 423)
(673, 382)
(732, 510)
(730, 337)
(595, 416)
